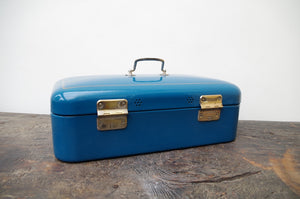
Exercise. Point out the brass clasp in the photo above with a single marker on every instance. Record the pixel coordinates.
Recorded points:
(112, 114)
(211, 106)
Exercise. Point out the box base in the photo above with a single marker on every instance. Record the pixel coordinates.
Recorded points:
(76, 138)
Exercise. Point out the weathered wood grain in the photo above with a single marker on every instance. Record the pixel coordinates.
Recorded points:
(263, 162)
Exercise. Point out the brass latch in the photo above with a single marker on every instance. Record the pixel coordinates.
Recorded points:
(211, 106)
(112, 114)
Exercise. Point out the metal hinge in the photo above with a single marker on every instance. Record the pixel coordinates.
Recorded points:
(112, 114)
(211, 106)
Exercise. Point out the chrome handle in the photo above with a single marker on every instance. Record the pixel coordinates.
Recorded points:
(164, 72)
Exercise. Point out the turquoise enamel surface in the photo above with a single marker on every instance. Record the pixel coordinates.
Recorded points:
(78, 95)
(163, 112)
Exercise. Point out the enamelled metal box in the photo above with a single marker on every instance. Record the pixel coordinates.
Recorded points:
(97, 117)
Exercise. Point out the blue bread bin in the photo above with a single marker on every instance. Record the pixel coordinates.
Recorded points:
(97, 117)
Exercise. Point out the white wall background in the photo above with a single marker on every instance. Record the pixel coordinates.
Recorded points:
(254, 44)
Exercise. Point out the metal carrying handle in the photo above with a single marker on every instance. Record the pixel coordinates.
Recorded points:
(164, 72)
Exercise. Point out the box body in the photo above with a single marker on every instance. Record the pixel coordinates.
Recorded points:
(163, 114)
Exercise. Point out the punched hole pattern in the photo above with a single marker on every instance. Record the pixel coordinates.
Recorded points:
(138, 102)
(189, 100)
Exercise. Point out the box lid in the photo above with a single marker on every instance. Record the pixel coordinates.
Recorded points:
(79, 95)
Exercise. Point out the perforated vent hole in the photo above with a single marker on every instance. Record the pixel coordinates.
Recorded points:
(138, 102)
(189, 100)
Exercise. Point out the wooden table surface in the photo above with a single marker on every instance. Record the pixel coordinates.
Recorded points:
(263, 162)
